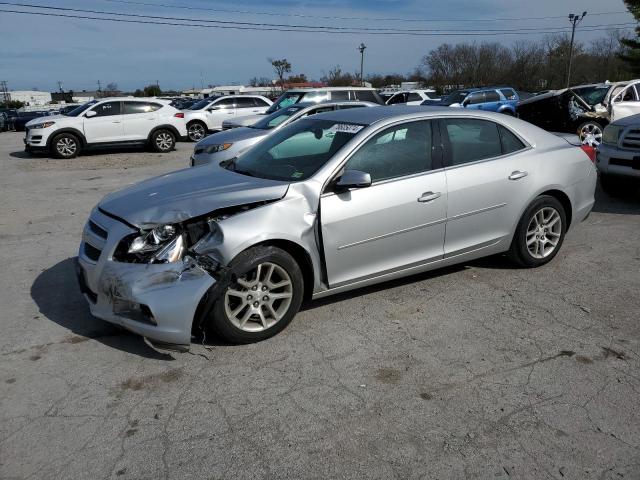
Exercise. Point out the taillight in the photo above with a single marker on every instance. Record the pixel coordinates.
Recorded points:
(590, 151)
(179, 115)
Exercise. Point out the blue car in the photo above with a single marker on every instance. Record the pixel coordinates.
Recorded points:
(502, 100)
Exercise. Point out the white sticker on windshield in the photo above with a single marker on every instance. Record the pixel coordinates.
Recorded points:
(345, 128)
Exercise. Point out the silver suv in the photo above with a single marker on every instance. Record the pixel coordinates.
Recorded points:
(307, 95)
(618, 157)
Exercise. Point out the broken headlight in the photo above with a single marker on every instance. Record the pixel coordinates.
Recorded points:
(162, 244)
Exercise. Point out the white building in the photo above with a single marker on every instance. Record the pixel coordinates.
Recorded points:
(84, 96)
(31, 98)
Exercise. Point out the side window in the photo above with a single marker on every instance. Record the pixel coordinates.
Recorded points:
(244, 102)
(316, 97)
(508, 93)
(414, 97)
(397, 98)
(259, 102)
(475, 98)
(319, 110)
(491, 96)
(510, 143)
(395, 152)
(339, 95)
(224, 103)
(140, 107)
(344, 107)
(366, 96)
(471, 140)
(106, 109)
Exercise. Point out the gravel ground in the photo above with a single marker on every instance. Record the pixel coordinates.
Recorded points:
(477, 371)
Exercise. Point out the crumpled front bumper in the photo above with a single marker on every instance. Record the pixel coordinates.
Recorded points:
(157, 301)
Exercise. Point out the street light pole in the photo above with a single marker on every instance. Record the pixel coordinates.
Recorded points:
(574, 19)
(362, 48)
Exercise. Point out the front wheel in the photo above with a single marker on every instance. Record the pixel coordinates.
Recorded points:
(263, 300)
(65, 145)
(590, 133)
(163, 141)
(540, 232)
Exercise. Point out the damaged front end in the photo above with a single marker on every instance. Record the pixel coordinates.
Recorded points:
(151, 280)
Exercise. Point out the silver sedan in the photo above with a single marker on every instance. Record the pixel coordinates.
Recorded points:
(228, 144)
(330, 203)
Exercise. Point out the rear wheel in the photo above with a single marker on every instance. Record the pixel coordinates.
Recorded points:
(65, 145)
(196, 131)
(264, 299)
(163, 141)
(540, 232)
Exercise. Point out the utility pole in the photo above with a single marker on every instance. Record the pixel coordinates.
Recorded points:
(5, 91)
(574, 19)
(99, 88)
(60, 86)
(362, 48)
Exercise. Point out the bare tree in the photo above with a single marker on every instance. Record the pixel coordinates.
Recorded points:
(280, 67)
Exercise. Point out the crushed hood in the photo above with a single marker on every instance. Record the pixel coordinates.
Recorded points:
(188, 193)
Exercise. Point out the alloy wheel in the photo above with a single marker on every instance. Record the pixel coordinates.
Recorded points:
(66, 146)
(260, 299)
(196, 132)
(544, 232)
(591, 134)
(164, 141)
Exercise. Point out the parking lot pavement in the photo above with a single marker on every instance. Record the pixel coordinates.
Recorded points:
(477, 371)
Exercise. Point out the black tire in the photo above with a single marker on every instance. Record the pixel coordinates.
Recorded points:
(612, 186)
(218, 320)
(65, 145)
(196, 130)
(590, 133)
(163, 141)
(519, 252)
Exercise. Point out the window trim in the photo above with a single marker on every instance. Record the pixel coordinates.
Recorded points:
(446, 145)
(437, 160)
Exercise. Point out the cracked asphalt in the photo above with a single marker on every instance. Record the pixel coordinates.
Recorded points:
(477, 371)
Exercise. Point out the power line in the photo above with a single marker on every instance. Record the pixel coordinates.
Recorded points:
(290, 27)
(330, 17)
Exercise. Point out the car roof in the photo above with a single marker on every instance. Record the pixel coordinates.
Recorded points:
(327, 89)
(368, 116)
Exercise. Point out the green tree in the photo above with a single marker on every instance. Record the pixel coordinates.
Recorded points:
(152, 91)
(632, 53)
(12, 104)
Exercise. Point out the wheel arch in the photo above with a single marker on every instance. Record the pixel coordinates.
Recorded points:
(564, 200)
(77, 133)
(171, 128)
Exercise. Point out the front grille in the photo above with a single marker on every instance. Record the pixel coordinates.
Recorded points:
(631, 140)
(97, 229)
(91, 252)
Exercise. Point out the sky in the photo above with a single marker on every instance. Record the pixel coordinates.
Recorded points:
(39, 51)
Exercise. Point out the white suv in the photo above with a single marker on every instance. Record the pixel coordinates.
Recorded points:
(209, 113)
(107, 122)
(412, 97)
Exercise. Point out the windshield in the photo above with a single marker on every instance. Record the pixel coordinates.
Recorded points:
(78, 110)
(201, 104)
(276, 118)
(297, 151)
(592, 95)
(285, 100)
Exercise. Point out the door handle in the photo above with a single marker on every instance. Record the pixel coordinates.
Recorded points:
(429, 197)
(517, 175)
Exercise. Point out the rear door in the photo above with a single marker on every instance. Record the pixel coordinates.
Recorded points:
(106, 125)
(626, 103)
(397, 222)
(139, 118)
(492, 101)
(246, 106)
(489, 174)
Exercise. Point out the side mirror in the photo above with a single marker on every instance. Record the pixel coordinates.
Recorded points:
(353, 179)
(91, 113)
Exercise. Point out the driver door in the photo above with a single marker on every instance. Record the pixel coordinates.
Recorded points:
(220, 111)
(396, 223)
(106, 125)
